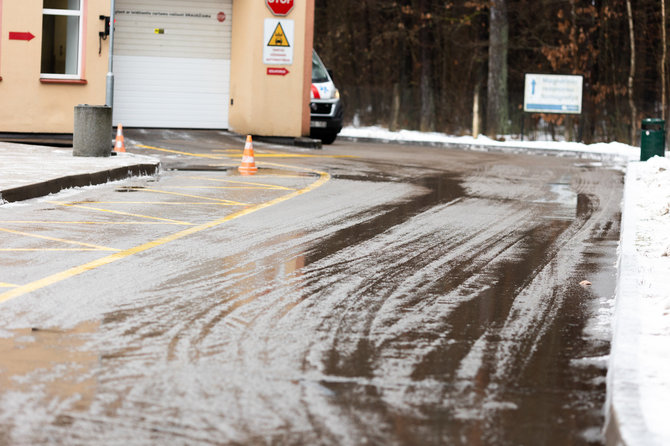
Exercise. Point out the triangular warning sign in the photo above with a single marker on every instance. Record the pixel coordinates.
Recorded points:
(278, 37)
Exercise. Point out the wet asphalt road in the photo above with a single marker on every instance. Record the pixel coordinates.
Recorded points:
(361, 294)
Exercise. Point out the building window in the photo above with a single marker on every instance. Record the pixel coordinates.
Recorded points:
(61, 39)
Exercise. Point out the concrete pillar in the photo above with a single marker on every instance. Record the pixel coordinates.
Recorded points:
(92, 130)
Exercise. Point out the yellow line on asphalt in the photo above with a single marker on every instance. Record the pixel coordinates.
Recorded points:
(7, 285)
(324, 177)
(216, 200)
(166, 203)
(60, 240)
(50, 223)
(292, 155)
(54, 250)
(199, 155)
(229, 188)
(239, 154)
(91, 208)
(243, 184)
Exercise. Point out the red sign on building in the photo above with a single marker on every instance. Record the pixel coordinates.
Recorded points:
(280, 7)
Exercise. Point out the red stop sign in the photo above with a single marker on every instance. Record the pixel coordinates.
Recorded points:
(280, 7)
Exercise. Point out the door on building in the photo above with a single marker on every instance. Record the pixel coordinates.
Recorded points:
(172, 63)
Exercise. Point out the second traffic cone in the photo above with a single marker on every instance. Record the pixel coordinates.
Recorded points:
(119, 144)
(248, 166)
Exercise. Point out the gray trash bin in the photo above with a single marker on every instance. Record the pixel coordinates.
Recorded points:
(92, 130)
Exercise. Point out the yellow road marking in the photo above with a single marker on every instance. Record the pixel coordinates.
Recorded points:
(54, 249)
(217, 200)
(176, 222)
(7, 285)
(244, 184)
(167, 203)
(238, 153)
(50, 223)
(293, 155)
(199, 155)
(63, 275)
(229, 188)
(54, 239)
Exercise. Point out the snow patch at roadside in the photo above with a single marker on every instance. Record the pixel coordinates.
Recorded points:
(614, 148)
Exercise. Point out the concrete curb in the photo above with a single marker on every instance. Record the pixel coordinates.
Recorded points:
(303, 142)
(86, 179)
(623, 317)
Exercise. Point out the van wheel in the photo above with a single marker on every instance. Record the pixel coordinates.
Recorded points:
(328, 138)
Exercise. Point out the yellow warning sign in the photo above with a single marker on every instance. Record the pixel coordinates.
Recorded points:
(279, 37)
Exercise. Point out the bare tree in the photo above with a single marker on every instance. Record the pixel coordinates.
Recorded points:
(664, 60)
(631, 74)
(497, 113)
(427, 119)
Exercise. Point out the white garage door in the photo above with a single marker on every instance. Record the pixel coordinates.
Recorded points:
(172, 63)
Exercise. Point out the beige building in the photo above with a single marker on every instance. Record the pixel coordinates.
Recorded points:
(215, 64)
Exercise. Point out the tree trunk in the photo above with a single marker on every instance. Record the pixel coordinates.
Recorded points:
(476, 114)
(427, 119)
(631, 75)
(395, 109)
(664, 61)
(497, 113)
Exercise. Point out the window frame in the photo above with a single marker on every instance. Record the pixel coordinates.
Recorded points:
(79, 13)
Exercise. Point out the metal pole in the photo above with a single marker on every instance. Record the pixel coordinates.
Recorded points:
(109, 98)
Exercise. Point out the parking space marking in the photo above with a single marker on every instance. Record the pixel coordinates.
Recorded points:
(299, 155)
(323, 178)
(161, 203)
(54, 250)
(239, 153)
(243, 184)
(216, 200)
(54, 239)
(175, 222)
(178, 152)
(68, 223)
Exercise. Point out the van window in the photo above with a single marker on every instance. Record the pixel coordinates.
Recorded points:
(319, 73)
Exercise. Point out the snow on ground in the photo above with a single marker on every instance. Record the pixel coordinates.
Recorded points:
(639, 375)
(617, 149)
(639, 365)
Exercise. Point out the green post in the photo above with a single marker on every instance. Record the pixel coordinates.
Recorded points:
(652, 138)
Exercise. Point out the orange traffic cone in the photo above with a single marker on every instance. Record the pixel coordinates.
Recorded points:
(119, 144)
(248, 166)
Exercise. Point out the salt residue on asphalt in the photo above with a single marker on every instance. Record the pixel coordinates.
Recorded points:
(639, 368)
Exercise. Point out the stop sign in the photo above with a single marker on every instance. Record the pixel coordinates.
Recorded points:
(280, 7)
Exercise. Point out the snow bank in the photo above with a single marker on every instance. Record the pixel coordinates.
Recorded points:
(639, 373)
(616, 149)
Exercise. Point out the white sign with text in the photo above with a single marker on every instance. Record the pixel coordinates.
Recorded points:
(553, 93)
